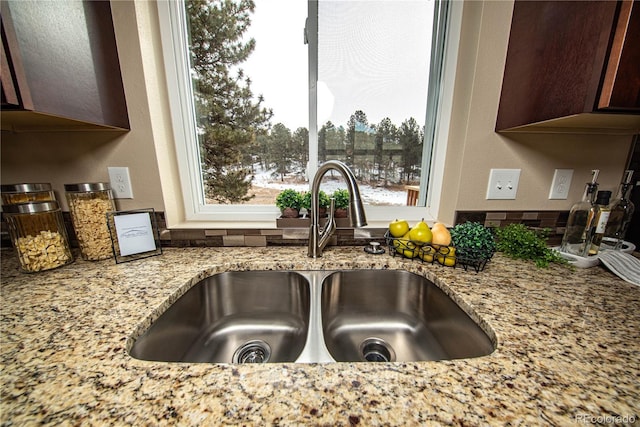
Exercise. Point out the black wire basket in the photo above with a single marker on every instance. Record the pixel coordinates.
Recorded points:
(447, 256)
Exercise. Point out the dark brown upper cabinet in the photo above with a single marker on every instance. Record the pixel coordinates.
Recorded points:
(572, 66)
(60, 67)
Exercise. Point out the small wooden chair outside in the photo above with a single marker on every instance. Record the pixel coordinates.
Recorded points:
(412, 194)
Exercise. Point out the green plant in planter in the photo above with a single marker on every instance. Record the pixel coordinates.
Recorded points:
(289, 200)
(518, 241)
(323, 200)
(342, 198)
(473, 241)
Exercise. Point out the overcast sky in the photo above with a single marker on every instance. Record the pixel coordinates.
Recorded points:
(373, 56)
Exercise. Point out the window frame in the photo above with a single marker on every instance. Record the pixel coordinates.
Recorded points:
(174, 39)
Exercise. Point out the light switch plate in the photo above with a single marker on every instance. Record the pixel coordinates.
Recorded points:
(503, 184)
(560, 185)
(120, 182)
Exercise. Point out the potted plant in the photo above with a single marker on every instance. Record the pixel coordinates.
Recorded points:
(342, 200)
(323, 202)
(289, 202)
(474, 244)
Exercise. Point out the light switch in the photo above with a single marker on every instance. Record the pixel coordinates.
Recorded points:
(503, 184)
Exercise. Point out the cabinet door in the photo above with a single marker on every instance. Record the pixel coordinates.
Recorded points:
(15, 90)
(9, 93)
(621, 86)
(70, 60)
(556, 55)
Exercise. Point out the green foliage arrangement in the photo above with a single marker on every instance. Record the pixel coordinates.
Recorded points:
(289, 198)
(519, 242)
(473, 241)
(323, 200)
(342, 198)
(306, 200)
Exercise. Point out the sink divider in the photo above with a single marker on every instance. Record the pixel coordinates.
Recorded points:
(315, 350)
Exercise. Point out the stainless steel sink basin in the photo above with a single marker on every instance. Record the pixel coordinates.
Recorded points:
(233, 317)
(388, 315)
(312, 316)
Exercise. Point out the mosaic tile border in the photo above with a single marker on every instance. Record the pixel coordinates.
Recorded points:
(556, 221)
(344, 236)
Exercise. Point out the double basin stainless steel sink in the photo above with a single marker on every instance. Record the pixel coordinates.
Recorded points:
(313, 316)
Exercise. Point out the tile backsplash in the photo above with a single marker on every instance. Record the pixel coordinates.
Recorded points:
(344, 236)
(556, 221)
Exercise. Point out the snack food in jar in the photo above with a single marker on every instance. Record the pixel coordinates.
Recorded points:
(38, 235)
(89, 204)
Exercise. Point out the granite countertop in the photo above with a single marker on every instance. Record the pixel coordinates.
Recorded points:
(567, 350)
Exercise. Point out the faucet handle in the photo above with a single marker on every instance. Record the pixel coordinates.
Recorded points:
(330, 218)
(332, 210)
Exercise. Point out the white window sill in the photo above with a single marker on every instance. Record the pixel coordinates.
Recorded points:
(377, 217)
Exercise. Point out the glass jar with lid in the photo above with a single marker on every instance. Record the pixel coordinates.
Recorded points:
(38, 235)
(23, 193)
(88, 205)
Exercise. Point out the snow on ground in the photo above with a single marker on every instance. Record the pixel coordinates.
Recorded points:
(370, 195)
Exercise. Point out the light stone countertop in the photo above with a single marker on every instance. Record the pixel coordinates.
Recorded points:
(568, 350)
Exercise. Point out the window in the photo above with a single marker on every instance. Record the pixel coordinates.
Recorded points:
(372, 64)
(391, 135)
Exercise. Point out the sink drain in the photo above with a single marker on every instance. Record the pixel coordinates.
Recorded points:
(377, 350)
(256, 351)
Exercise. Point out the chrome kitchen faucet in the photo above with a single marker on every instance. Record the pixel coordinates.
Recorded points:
(318, 238)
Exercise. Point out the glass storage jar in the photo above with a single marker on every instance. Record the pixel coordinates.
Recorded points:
(23, 193)
(38, 235)
(88, 205)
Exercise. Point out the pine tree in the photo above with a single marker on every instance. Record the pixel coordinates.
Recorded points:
(300, 140)
(281, 149)
(322, 141)
(228, 117)
(386, 133)
(410, 137)
(357, 122)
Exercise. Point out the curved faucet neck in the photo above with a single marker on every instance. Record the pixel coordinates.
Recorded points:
(318, 238)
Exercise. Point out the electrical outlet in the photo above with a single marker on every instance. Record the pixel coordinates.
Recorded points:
(120, 182)
(503, 184)
(560, 184)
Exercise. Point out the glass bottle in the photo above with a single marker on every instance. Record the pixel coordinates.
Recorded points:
(600, 214)
(38, 235)
(88, 206)
(622, 209)
(575, 235)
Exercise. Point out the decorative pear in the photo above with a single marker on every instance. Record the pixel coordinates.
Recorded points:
(398, 228)
(427, 254)
(447, 256)
(441, 235)
(420, 233)
(405, 246)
